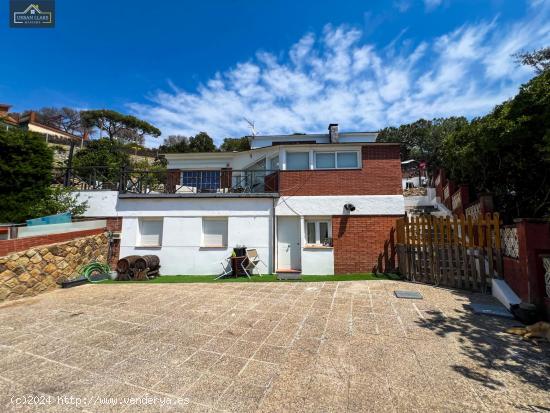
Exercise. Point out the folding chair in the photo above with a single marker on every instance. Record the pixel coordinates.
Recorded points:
(226, 268)
(252, 261)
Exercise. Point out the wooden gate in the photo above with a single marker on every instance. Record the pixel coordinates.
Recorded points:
(450, 251)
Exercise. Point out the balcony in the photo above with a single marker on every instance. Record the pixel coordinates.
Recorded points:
(173, 183)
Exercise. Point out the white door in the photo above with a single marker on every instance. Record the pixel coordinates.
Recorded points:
(288, 243)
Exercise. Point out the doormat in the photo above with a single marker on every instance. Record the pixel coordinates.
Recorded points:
(414, 295)
(492, 310)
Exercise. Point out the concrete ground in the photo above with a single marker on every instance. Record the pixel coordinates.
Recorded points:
(316, 347)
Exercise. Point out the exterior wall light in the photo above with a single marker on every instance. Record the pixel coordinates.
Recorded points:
(349, 207)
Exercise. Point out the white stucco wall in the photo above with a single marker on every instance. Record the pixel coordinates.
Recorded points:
(318, 261)
(249, 224)
(334, 205)
(181, 251)
(157, 207)
(100, 203)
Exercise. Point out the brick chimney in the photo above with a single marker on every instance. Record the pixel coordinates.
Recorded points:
(333, 132)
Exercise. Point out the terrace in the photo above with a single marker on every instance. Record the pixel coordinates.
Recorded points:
(173, 182)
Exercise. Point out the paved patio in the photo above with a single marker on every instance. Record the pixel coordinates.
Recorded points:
(348, 346)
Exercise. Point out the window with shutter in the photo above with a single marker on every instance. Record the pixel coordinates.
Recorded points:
(214, 232)
(150, 232)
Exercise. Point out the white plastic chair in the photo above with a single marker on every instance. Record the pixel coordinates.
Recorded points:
(252, 262)
(226, 268)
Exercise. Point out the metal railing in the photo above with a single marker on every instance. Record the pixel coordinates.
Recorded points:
(200, 181)
(88, 178)
(169, 181)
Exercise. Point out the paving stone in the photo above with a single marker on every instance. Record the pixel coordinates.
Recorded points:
(349, 346)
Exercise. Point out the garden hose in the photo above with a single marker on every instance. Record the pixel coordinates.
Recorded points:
(95, 271)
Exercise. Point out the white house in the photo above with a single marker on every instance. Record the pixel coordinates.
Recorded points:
(316, 204)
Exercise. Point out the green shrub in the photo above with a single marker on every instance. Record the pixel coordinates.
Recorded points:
(25, 173)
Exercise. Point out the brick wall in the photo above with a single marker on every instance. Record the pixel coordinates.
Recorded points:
(380, 175)
(358, 239)
(21, 244)
(525, 275)
(115, 225)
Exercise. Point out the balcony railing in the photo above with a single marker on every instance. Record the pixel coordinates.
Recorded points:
(172, 181)
(88, 178)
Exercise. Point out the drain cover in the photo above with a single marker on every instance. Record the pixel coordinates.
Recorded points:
(408, 294)
(494, 310)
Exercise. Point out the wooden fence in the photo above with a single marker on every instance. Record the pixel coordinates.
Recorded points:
(450, 251)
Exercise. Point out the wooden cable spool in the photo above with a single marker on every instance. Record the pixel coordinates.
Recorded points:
(150, 262)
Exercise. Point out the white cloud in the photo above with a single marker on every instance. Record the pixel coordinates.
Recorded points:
(338, 77)
(402, 5)
(432, 4)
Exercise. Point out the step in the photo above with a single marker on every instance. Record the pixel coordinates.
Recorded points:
(288, 274)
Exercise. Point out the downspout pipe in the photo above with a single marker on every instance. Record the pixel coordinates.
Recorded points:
(273, 227)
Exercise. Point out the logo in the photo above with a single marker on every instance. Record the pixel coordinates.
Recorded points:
(32, 14)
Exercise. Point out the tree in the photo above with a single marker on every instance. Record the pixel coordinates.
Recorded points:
(539, 59)
(201, 142)
(175, 144)
(423, 139)
(106, 156)
(66, 119)
(507, 152)
(235, 144)
(58, 200)
(25, 173)
(125, 128)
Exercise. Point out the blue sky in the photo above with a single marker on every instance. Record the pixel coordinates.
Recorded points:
(291, 66)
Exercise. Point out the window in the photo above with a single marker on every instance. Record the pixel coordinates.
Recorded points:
(204, 181)
(150, 232)
(346, 159)
(319, 232)
(214, 232)
(297, 160)
(331, 160)
(274, 163)
(324, 160)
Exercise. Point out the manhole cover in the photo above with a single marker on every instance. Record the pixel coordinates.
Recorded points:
(408, 294)
(494, 310)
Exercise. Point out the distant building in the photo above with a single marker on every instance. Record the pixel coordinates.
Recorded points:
(7, 121)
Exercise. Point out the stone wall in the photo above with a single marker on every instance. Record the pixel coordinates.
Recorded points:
(38, 269)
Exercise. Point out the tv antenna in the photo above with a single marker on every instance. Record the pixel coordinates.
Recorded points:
(252, 127)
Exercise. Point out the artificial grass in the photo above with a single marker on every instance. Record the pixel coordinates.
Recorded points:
(257, 278)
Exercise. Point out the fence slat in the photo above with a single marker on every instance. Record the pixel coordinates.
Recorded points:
(435, 251)
(489, 234)
(470, 257)
(464, 252)
(498, 246)
(481, 252)
(456, 252)
(456, 249)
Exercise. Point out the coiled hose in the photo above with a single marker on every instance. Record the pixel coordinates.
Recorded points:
(95, 271)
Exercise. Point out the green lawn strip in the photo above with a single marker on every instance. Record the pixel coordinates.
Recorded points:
(257, 278)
